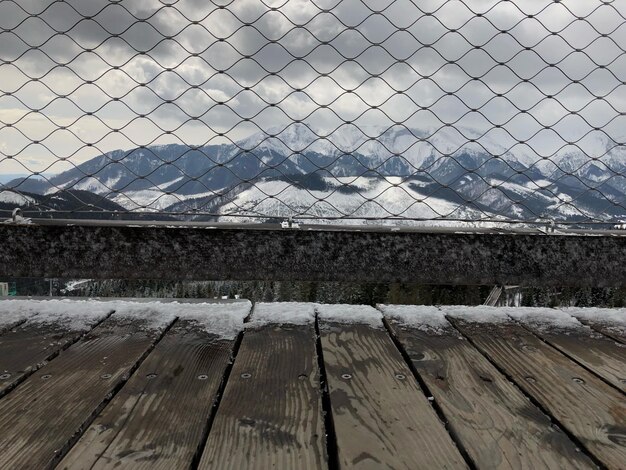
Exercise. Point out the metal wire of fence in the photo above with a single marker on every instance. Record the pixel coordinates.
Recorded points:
(430, 111)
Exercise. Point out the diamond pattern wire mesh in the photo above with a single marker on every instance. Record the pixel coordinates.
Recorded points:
(438, 111)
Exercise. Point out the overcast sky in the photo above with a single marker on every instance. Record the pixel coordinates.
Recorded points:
(324, 61)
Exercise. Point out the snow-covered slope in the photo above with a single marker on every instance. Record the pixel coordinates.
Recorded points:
(11, 197)
(359, 198)
(363, 172)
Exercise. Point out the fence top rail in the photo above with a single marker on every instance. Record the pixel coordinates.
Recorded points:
(370, 228)
(188, 252)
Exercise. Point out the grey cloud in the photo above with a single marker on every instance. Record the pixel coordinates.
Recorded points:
(417, 67)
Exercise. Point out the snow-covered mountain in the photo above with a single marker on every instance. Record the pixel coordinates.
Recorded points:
(359, 172)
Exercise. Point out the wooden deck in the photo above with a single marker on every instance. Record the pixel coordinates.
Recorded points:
(125, 391)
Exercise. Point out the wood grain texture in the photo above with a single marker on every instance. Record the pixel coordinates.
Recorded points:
(158, 418)
(600, 354)
(587, 407)
(39, 419)
(495, 423)
(616, 332)
(10, 325)
(271, 414)
(28, 347)
(382, 418)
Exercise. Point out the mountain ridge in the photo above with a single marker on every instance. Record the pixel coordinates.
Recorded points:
(479, 175)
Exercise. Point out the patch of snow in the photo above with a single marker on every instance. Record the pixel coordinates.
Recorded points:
(480, 314)
(375, 197)
(76, 315)
(566, 209)
(350, 314)
(11, 197)
(147, 199)
(538, 184)
(11, 313)
(282, 313)
(612, 318)
(422, 317)
(540, 318)
(224, 320)
(160, 147)
(75, 284)
(94, 185)
(167, 184)
(543, 318)
(18, 220)
(378, 143)
(152, 315)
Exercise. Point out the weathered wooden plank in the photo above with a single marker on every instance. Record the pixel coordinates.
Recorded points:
(270, 415)
(495, 423)
(588, 408)
(11, 316)
(10, 323)
(608, 321)
(157, 420)
(40, 419)
(598, 353)
(26, 348)
(381, 417)
(29, 346)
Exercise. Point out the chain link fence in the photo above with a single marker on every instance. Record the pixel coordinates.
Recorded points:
(440, 112)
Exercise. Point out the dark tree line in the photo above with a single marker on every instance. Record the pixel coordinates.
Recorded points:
(326, 292)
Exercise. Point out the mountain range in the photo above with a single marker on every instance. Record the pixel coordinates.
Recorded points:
(352, 172)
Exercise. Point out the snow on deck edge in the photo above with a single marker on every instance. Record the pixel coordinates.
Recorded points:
(427, 318)
(350, 314)
(224, 320)
(282, 313)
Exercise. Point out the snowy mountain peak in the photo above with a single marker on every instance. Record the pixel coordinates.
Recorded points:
(377, 143)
